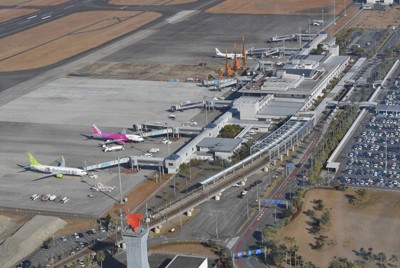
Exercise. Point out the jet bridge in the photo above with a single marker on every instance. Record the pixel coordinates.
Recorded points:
(134, 161)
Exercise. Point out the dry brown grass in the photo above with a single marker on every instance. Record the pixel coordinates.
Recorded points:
(150, 2)
(378, 19)
(66, 37)
(373, 223)
(277, 7)
(9, 14)
(32, 2)
(351, 11)
(148, 71)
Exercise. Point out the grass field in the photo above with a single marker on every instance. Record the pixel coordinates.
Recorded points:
(310, 7)
(32, 2)
(66, 37)
(373, 223)
(9, 14)
(150, 2)
(378, 19)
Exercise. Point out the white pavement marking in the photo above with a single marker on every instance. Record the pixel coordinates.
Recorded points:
(232, 242)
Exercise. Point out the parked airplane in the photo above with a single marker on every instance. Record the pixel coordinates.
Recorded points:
(119, 138)
(226, 55)
(59, 171)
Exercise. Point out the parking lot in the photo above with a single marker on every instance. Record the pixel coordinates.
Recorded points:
(64, 246)
(372, 158)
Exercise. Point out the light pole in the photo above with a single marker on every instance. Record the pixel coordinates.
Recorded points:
(247, 207)
(322, 16)
(120, 184)
(334, 12)
(345, 8)
(216, 225)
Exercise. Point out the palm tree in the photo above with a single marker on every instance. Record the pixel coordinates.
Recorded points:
(100, 257)
(394, 259)
(382, 258)
(87, 260)
(74, 264)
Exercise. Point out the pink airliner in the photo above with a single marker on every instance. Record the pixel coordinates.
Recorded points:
(119, 138)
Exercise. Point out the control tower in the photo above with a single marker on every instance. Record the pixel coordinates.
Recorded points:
(135, 238)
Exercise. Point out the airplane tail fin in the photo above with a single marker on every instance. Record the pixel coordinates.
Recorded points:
(96, 131)
(33, 161)
(217, 51)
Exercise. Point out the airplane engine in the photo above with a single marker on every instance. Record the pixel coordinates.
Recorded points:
(59, 176)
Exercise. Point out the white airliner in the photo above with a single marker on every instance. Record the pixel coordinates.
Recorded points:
(59, 171)
(226, 55)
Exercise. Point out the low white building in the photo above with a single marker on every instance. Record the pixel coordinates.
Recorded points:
(221, 148)
(182, 261)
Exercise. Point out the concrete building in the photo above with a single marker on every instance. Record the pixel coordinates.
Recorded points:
(220, 148)
(182, 261)
(186, 153)
(136, 247)
(382, 2)
(248, 107)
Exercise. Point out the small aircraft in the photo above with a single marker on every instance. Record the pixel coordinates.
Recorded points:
(226, 55)
(119, 138)
(59, 171)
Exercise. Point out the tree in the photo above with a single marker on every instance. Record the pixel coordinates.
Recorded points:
(39, 265)
(74, 264)
(382, 258)
(100, 257)
(393, 259)
(361, 193)
(326, 217)
(230, 131)
(87, 260)
(107, 221)
(341, 263)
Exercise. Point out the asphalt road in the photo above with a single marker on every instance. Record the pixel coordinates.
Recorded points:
(252, 236)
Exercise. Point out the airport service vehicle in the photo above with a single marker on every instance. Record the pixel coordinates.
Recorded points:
(243, 193)
(165, 141)
(100, 187)
(153, 150)
(34, 197)
(113, 148)
(226, 55)
(59, 171)
(64, 199)
(45, 197)
(172, 116)
(52, 197)
(119, 138)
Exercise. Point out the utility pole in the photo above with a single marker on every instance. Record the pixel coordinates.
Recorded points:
(120, 184)
(247, 207)
(334, 12)
(216, 225)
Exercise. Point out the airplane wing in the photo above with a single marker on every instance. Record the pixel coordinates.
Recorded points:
(62, 164)
(119, 141)
(45, 177)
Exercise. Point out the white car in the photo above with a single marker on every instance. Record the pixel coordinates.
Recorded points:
(172, 116)
(153, 150)
(113, 148)
(165, 141)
